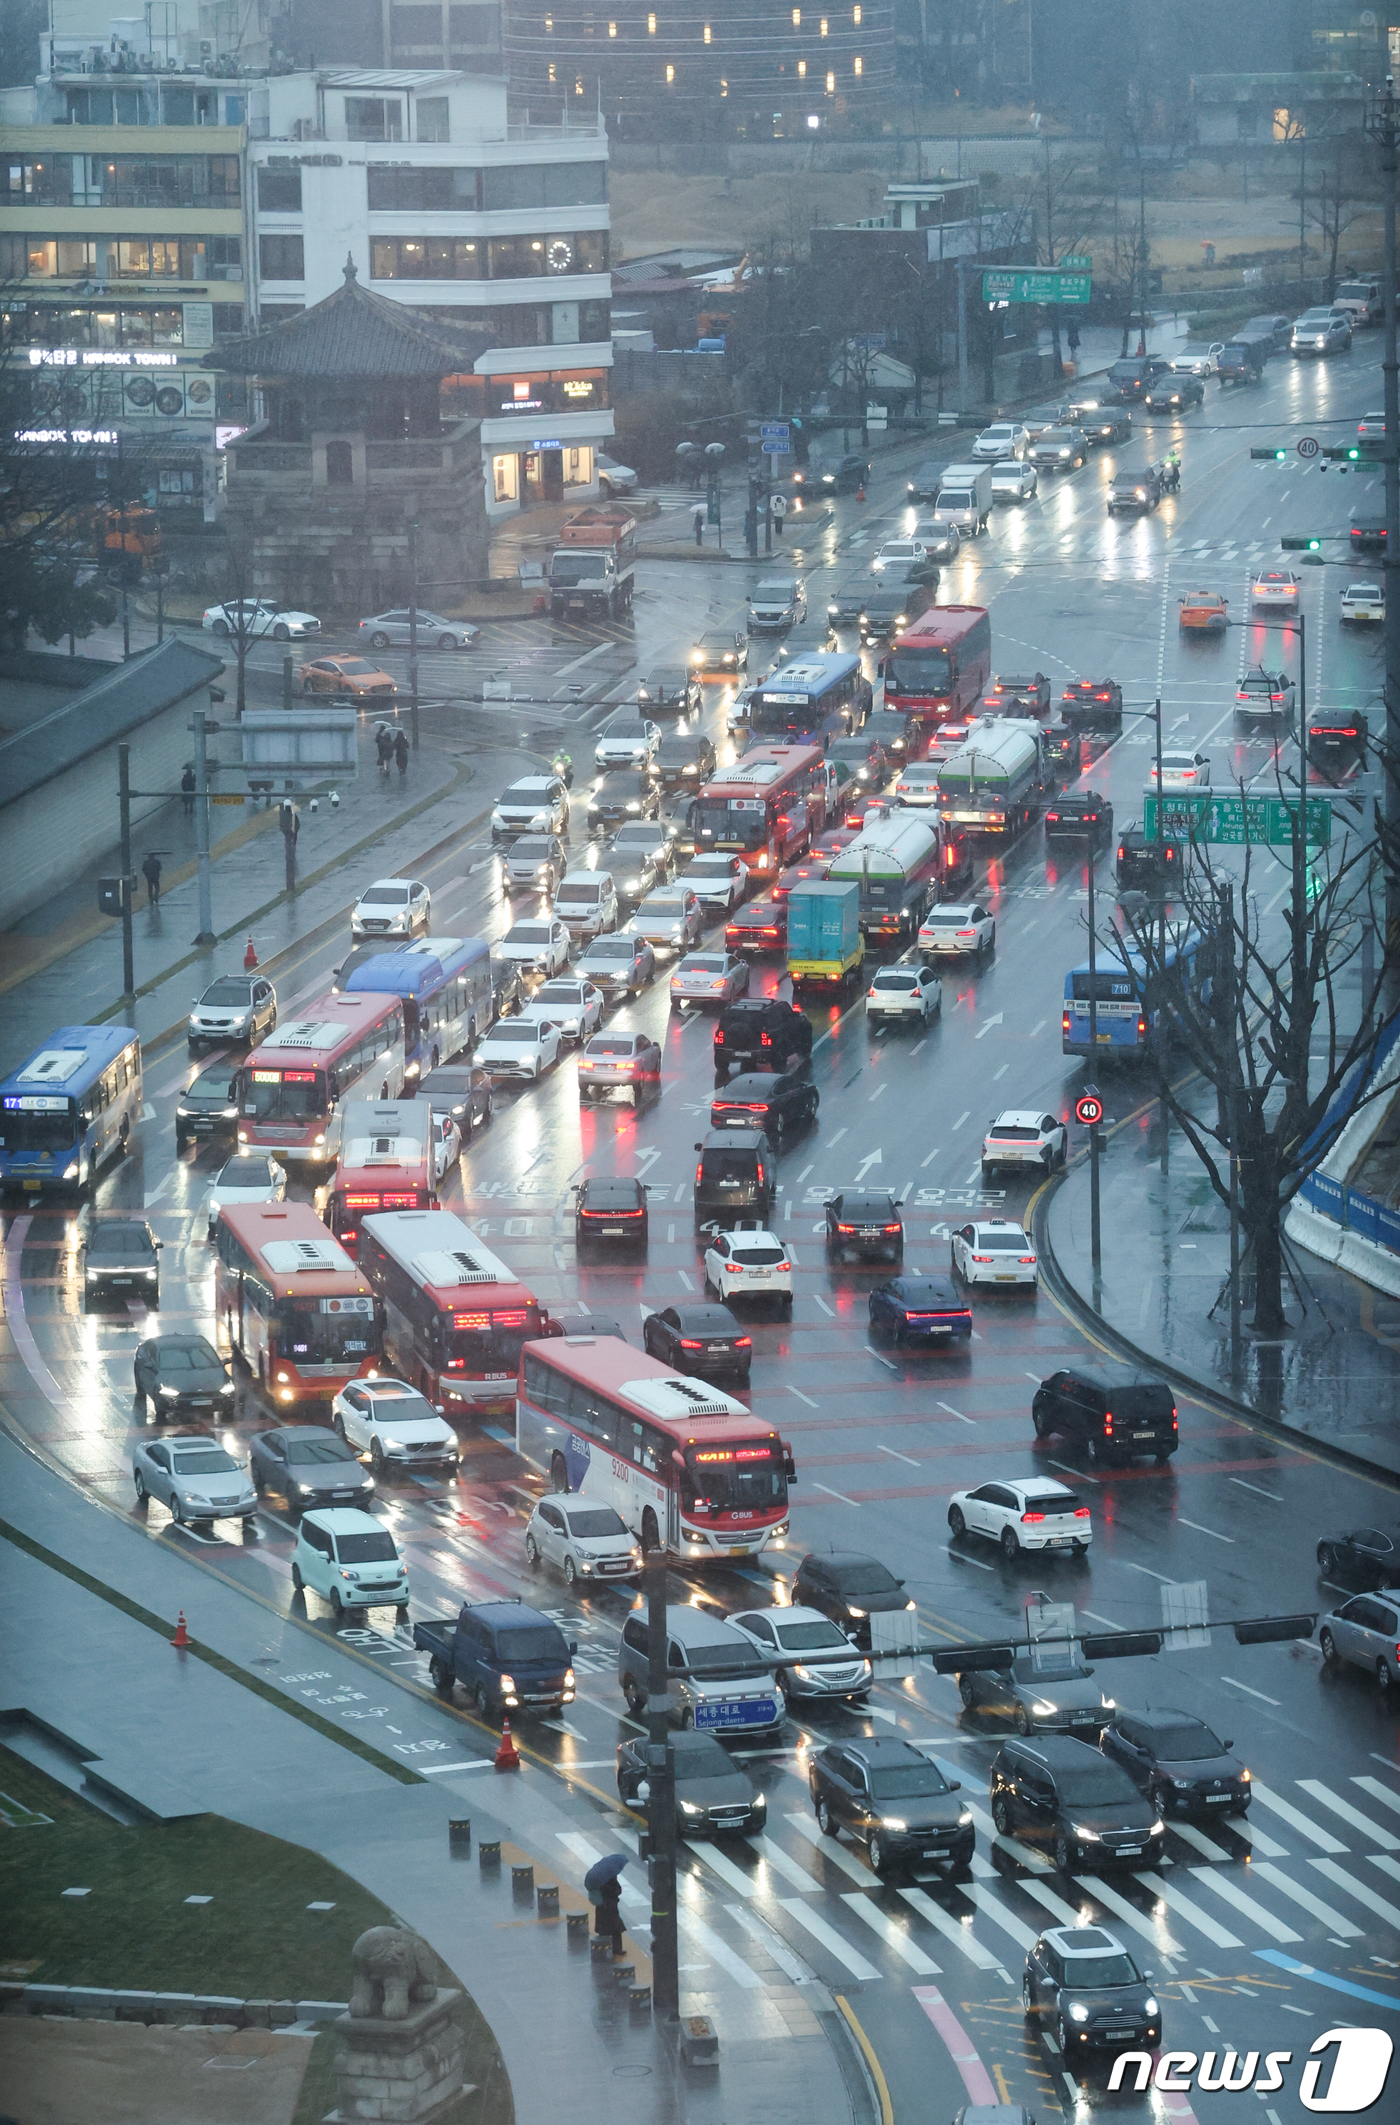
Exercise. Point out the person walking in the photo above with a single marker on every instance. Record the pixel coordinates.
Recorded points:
(699, 522)
(401, 753)
(384, 747)
(607, 1916)
(150, 871)
(187, 790)
(1072, 341)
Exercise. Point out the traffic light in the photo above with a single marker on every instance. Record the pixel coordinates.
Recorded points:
(1272, 455)
(1301, 545)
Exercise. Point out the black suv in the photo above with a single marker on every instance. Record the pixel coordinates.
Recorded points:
(1179, 1762)
(208, 1108)
(1132, 377)
(1146, 865)
(121, 1254)
(736, 1173)
(463, 1090)
(761, 1033)
(1114, 1412)
(1092, 704)
(684, 760)
(1102, 424)
(848, 1588)
(761, 1100)
(1085, 1983)
(1137, 488)
(1334, 742)
(671, 690)
(612, 1211)
(894, 1801)
(1019, 694)
(1082, 813)
(623, 795)
(864, 1222)
(1066, 1793)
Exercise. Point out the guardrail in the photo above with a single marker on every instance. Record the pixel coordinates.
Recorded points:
(1353, 1211)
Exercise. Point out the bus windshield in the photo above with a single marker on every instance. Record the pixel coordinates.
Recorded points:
(489, 1342)
(311, 1337)
(736, 1486)
(23, 1131)
(919, 671)
(737, 822)
(283, 1095)
(768, 714)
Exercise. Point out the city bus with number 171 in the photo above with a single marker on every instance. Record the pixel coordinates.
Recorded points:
(73, 1105)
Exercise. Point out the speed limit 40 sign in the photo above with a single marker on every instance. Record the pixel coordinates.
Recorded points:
(1088, 1109)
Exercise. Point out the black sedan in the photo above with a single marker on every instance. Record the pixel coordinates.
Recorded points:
(625, 794)
(713, 1796)
(684, 761)
(207, 1108)
(848, 1588)
(1092, 704)
(462, 1090)
(759, 926)
(843, 607)
(1173, 394)
(177, 1374)
(866, 1224)
(706, 1341)
(921, 1309)
(1082, 814)
(759, 1099)
(1179, 1762)
(669, 691)
(896, 1802)
(1367, 1557)
(886, 612)
(1102, 424)
(121, 1255)
(610, 1211)
(307, 1465)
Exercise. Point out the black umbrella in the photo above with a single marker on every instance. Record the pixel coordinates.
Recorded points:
(605, 1870)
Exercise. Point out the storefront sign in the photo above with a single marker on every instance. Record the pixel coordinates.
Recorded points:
(107, 357)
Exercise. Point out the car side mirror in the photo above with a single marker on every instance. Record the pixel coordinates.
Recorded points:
(699, 1147)
(573, 1649)
(1228, 1744)
(159, 1244)
(955, 1785)
(439, 1408)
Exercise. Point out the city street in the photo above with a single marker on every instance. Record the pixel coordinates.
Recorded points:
(1295, 1908)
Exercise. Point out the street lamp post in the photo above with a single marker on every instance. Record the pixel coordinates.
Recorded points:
(661, 1797)
(413, 630)
(1383, 124)
(1095, 1249)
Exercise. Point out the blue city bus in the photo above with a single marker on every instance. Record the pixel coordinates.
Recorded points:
(1127, 1012)
(71, 1106)
(810, 701)
(445, 983)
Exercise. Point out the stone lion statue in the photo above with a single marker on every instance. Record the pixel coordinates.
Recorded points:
(392, 1967)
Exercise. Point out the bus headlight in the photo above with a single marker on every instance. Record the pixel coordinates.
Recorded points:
(70, 1171)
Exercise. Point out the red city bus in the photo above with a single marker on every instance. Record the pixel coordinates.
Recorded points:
(292, 1090)
(387, 1162)
(291, 1304)
(455, 1318)
(939, 667)
(687, 1466)
(767, 808)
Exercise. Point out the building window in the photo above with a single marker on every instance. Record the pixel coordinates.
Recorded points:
(235, 109)
(279, 191)
(228, 320)
(340, 464)
(831, 84)
(373, 118)
(651, 25)
(432, 118)
(391, 190)
(417, 27)
(578, 466)
(505, 477)
(281, 258)
(427, 258)
(860, 66)
(670, 73)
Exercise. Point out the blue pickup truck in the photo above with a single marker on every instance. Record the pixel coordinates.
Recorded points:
(507, 1657)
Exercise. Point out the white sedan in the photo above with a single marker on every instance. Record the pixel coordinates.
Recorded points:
(613, 478)
(1275, 587)
(822, 1660)
(1035, 1514)
(748, 1264)
(245, 1180)
(905, 990)
(390, 908)
(1181, 770)
(257, 617)
(898, 557)
(709, 977)
(1363, 601)
(1002, 440)
(957, 932)
(717, 881)
(520, 1047)
(918, 785)
(542, 943)
(1014, 481)
(576, 1007)
(1021, 1137)
(994, 1250)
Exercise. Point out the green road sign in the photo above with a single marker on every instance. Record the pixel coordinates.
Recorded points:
(1226, 816)
(1076, 263)
(1016, 285)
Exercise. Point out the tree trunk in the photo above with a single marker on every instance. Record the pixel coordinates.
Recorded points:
(1262, 1214)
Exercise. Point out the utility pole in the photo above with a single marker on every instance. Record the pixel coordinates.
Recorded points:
(413, 630)
(1095, 1247)
(201, 823)
(125, 566)
(661, 1798)
(1302, 217)
(1383, 124)
(962, 330)
(1225, 1018)
(124, 814)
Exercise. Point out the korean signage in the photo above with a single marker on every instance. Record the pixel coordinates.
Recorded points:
(1014, 285)
(1218, 816)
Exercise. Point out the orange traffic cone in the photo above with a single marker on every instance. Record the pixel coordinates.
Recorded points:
(181, 1639)
(860, 492)
(250, 957)
(507, 1756)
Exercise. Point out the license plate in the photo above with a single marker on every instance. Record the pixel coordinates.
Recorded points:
(204, 1123)
(1216, 1800)
(1005, 1280)
(1121, 2036)
(33, 1186)
(612, 1232)
(717, 1349)
(1129, 1851)
(1144, 1435)
(1105, 1038)
(340, 1495)
(739, 1549)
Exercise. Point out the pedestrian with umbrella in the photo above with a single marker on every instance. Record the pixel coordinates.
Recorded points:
(603, 1881)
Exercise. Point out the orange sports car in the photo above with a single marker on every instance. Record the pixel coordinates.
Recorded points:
(1204, 608)
(346, 675)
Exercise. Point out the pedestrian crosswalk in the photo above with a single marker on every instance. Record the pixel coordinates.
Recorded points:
(795, 1902)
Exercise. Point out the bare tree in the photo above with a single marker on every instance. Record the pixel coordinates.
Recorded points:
(50, 487)
(1338, 198)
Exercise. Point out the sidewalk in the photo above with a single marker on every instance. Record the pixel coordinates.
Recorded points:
(90, 1671)
(1333, 1378)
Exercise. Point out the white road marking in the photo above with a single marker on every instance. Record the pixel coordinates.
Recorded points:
(1220, 1885)
(771, 1943)
(801, 1397)
(957, 1413)
(1205, 1530)
(1272, 1494)
(952, 1929)
(835, 1494)
(892, 1934)
(894, 1456)
(1267, 1871)
(1364, 1823)
(850, 1958)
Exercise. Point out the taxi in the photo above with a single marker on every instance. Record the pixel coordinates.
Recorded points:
(346, 675)
(1205, 609)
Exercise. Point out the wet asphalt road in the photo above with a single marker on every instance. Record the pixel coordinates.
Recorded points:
(882, 1437)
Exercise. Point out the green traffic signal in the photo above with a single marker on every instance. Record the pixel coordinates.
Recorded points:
(1271, 455)
(1294, 544)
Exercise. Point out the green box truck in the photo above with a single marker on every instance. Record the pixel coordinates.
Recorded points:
(824, 942)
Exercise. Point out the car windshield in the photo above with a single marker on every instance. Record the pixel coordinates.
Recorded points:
(611, 948)
(907, 1781)
(873, 1208)
(865, 1576)
(376, 1548)
(602, 1520)
(248, 1173)
(1094, 1785)
(811, 1637)
(914, 669)
(1186, 1744)
(353, 665)
(212, 1084)
(759, 1257)
(669, 910)
(700, 966)
(410, 1409)
(306, 1452)
(542, 1641)
(205, 1461)
(532, 848)
(614, 1044)
(1049, 1664)
(516, 1033)
(625, 727)
(1088, 1973)
(228, 994)
(384, 896)
(560, 992)
(741, 1658)
(890, 980)
(527, 933)
(1011, 1133)
(119, 1238)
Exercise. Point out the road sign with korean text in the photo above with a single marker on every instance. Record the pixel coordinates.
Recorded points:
(1014, 284)
(1227, 817)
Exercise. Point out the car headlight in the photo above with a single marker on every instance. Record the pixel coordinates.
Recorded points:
(229, 1114)
(893, 1822)
(1087, 1837)
(172, 1391)
(1183, 1785)
(541, 823)
(856, 1612)
(227, 1388)
(1150, 2005)
(1107, 1703)
(1244, 1777)
(194, 1499)
(1158, 1828)
(760, 1804)
(688, 1807)
(964, 1818)
(498, 818)
(394, 1446)
(148, 1272)
(1078, 2012)
(508, 1683)
(1041, 1708)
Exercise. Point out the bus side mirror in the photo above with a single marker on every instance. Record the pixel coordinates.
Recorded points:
(789, 1468)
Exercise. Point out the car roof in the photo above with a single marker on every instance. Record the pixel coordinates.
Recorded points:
(499, 1612)
(839, 1559)
(1162, 1717)
(1072, 1941)
(879, 1754)
(727, 1139)
(1058, 1752)
(923, 1287)
(345, 1520)
(618, 1187)
(718, 1320)
(1017, 1118)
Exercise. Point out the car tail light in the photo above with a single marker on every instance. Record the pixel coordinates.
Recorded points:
(699, 1172)
(981, 1258)
(1120, 852)
(1030, 1518)
(1081, 1512)
(760, 1173)
(1108, 1422)
(736, 1268)
(963, 934)
(784, 1265)
(1026, 1258)
(845, 1228)
(691, 1343)
(1142, 1028)
(719, 1036)
(893, 1228)
(743, 1342)
(765, 1040)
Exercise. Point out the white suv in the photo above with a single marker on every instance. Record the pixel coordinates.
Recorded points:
(749, 1263)
(537, 804)
(993, 1250)
(350, 1559)
(965, 931)
(905, 990)
(396, 1425)
(1023, 1138)
(1035, 1514)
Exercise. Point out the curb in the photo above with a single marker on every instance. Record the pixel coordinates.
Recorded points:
(1212, 1396)
(177, 2009)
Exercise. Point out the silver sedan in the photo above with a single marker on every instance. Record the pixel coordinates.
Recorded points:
(709, 977)
(194, 1477)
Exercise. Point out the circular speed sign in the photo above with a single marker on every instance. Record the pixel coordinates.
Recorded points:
(1088, 1109)
(1307, 446)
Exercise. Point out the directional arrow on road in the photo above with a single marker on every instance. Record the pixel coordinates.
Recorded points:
(874, 1159)
(647, 1158)
(981, 1030)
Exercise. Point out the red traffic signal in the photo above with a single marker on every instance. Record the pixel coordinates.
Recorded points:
(1088, 1109)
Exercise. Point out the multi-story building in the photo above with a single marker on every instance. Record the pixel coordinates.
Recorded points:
(448, 33)
(444, 205)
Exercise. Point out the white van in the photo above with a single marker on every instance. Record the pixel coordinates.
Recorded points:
(586, 903)
(1363, 301)
(350, 1559)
